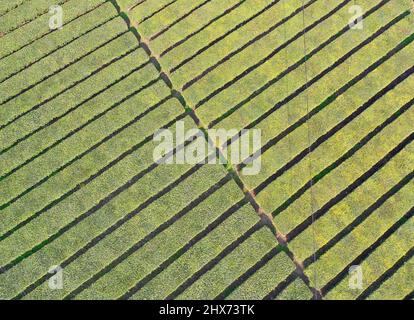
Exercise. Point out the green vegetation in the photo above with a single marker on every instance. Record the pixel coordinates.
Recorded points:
(79, 187)
(47, 46)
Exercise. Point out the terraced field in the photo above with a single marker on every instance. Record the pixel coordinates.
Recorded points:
(79, 188)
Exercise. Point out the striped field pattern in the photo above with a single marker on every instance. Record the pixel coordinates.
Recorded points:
(79, 188)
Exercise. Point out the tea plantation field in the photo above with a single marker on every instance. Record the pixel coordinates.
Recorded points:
(330, 85)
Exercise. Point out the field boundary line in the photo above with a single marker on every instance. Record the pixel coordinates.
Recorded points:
(265, 218)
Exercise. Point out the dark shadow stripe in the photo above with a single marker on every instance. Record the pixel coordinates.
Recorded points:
(88, 213)
(180, 42)
(113, 162)
(201, 235)
(84, 153)
(385, 276)
(272, 142)
(340, 160)
(252, 270)
(93, 73)
(326, 136)
(107, 138)
(263, 60)
(354, 185)
(234, 174)
(158, 11)
(301, 89)
(12, 8)
(136, 5)
(51, 31)
(70, 110)
(367, 252)
(61, 46)
(409, 296)
(212, 263)
(281, 286)
(215, 41)
(64, 67)
(358, 220)
(59, 2)
(344, 231)
(293, 67)
(149, 236)
(72, 132)
(155, 36)
(111, 229)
